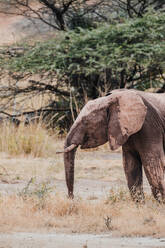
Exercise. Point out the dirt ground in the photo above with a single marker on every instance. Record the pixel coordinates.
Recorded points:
(95, 180)
(90, 184)
(53, 240)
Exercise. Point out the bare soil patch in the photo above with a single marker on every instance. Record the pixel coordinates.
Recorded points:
(53, 240)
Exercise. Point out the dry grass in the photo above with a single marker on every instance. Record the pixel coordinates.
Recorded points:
(117, 215)
(24, 149)
(26, 140)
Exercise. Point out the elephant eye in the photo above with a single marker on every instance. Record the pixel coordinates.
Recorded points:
(108, 114)
(85, 139)
(108, 94)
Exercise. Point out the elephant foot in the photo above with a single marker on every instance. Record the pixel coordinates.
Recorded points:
(137, 195)
(70, 195)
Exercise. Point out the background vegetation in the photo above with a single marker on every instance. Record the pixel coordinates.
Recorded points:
(99, 46)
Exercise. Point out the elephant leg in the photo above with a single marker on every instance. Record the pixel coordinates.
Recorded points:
(133, 171)
(154, 170)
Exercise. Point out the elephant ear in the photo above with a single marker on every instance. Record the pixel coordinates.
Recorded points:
(127, 115)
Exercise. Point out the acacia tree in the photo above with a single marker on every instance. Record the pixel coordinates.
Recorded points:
(81, 65)
(86, 64)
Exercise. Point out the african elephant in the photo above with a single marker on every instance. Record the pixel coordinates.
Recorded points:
(132, 119)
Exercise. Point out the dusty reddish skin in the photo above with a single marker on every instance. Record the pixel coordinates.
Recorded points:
(132, 119)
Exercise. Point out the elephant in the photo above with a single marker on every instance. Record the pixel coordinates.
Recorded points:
(129, 118)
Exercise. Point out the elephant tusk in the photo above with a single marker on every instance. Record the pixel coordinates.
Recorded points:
(68, 149)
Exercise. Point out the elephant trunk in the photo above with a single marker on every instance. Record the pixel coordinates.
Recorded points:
(73, 140)
(69, 158)
(70, 148)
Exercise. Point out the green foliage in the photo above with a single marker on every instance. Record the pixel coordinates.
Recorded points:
(134, 49)
(131, 52)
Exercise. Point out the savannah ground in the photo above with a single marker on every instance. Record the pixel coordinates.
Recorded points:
(34, 208)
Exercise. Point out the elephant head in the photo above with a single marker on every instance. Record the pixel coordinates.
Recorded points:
(110, 118)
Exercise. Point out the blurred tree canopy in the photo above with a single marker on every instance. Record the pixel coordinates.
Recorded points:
(59, 14)
(136, 8)
(64, 14)
(122, 48)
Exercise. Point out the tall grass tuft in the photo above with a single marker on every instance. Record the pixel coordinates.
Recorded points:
(25, 140)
